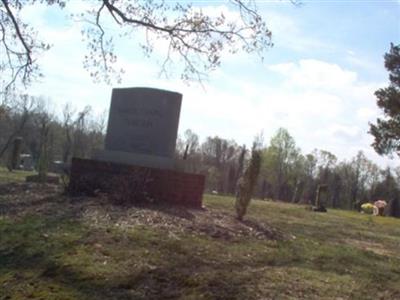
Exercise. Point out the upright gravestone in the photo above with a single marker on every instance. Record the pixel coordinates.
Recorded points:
(139, 151)
(142, 127)
(26, 162)
(15, 153)
(393, 208)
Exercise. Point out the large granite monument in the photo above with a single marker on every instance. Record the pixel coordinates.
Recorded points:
(142, 127)
(139, 151)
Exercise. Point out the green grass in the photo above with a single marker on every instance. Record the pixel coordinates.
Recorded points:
(14, 176)
(53, 252)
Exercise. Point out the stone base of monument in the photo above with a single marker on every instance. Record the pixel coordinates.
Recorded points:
(136, 159)
(136, 183)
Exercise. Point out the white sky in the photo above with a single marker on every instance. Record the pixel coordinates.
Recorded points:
(318, 80)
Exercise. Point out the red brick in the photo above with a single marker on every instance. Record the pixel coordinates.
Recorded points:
(168, 186)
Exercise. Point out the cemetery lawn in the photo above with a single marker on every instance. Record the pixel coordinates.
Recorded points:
(54, 247)
(14, 176)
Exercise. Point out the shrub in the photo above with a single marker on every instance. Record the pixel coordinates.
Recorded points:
(246, 184)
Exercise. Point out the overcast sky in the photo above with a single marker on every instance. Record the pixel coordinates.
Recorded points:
(317, 81)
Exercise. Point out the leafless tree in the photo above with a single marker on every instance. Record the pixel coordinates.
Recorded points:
(80, 129)
(43, 120)
(96, 127)
(21, 107)
(67, 123)
(195, 37)
(19, 43)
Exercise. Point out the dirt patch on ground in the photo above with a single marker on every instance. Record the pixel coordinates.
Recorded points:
(16, 189)
(213, 223)
(370, 246)
(20, 199)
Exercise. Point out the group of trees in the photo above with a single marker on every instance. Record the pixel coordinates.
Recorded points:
(287, 174)
(45, 135)
(198, 39)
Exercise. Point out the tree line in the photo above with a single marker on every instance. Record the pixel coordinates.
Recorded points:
(46, 135)
(286, 173)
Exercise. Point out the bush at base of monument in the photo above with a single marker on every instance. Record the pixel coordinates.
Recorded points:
(246, 184)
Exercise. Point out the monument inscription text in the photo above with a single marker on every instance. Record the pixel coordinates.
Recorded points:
(144, 121)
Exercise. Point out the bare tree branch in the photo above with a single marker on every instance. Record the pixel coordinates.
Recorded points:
(18, 32)
(198, 39)
(195, 38)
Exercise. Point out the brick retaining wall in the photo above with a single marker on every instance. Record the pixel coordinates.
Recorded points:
(167, 186)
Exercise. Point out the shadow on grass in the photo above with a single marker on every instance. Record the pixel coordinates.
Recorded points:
(52, 248)
(43, 262)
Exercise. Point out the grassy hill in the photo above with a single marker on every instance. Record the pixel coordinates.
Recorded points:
(14, 176)
(54, 247)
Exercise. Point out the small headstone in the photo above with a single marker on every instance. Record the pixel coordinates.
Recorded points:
(57, 166)
(379, 207)
(393, 208)
(26, 162)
